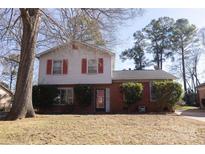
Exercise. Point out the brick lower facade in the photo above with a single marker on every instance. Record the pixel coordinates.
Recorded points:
(116, 101)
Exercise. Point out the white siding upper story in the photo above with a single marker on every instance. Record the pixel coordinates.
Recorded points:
(74, 56)
(74, 74)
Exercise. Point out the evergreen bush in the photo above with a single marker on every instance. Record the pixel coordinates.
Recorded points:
(83, 94)
(132, 92)
(167, 94)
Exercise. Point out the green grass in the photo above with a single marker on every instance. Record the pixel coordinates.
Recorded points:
(103, 129)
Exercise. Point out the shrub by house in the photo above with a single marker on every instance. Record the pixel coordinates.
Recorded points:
(167, 93)
(44, 95)
(83, 94)
(132, 92)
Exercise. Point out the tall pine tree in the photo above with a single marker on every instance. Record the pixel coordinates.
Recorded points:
(137, 52)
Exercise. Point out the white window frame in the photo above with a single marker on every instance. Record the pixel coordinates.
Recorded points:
(72, 97)
(150, 90)
(88, 66)
(61, 66)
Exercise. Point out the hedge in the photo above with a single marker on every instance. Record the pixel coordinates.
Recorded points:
(44, 95)
(83, 94)
(132, 92)
(167, 93)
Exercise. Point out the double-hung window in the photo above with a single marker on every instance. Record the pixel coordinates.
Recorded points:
(57, 66)
(92, 66)
(66, 96)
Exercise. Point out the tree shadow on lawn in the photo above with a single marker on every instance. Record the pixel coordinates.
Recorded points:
(106, 114)
(3, 115)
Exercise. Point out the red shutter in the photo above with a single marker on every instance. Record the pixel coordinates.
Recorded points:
(100, 65)
(65, 66)
(49, 66)
(84, 66)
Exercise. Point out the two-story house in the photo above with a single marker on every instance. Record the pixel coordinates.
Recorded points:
(81, 63)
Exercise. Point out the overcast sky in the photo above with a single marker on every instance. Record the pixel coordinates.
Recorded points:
(195, 16)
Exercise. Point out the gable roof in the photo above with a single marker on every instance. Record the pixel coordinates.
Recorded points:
(102, 49)
(142, 75)
(6, 89)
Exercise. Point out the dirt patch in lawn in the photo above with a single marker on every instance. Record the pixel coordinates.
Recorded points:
(103, 129)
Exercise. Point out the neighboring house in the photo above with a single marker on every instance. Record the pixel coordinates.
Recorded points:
(201, 95)
(80, 63)
(5, 98)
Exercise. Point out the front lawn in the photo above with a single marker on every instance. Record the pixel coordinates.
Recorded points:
(103, 129)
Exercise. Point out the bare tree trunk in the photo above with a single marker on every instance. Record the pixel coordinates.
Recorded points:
(22, 106)
(189, 85)
(140, 64)
(195, 74)
(184, 73)
(161, 55)
(158, 57)
(11, 81)
(193, 83)
(158, 61)
(11, 78)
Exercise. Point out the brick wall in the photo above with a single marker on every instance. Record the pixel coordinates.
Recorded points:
(201, 96)
(116, 101)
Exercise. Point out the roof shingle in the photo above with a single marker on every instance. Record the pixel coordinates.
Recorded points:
(142, 74)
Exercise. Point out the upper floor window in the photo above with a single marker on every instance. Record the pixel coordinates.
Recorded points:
(92, 66)
(57, 67)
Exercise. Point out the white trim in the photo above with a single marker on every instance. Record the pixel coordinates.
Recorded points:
(107, 99)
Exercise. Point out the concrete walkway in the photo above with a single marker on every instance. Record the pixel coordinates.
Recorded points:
(196, 114)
